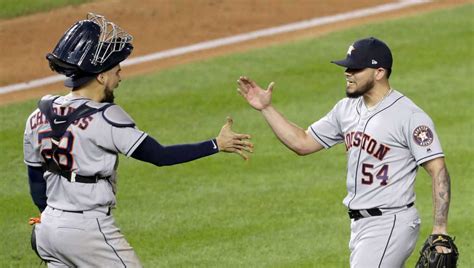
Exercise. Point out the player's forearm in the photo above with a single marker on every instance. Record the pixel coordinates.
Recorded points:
(291, 135)
(153, 152)
(441, 199)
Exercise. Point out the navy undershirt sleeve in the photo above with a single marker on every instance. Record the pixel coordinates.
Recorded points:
(153, 152)
(37, 187)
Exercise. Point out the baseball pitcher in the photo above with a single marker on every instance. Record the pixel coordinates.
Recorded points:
(71, 147)
(387, 137)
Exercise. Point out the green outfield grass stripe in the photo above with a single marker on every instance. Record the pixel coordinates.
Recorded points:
(15, 8)
(277, 209)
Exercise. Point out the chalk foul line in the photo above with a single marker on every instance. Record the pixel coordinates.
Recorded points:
(239, 38)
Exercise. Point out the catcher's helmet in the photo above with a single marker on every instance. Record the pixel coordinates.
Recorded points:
(89, 47)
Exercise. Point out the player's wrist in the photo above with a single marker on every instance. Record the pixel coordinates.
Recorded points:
(215, 144)
(267, 109)
(439, 230)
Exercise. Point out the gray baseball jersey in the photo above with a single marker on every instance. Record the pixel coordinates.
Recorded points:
(385, 145)
(89, 147)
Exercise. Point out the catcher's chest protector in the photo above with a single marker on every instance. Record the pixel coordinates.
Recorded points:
(59, 124)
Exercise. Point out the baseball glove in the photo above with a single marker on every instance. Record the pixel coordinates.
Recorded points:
(430, 258)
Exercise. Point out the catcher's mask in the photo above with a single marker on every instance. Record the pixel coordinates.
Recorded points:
(89, 47)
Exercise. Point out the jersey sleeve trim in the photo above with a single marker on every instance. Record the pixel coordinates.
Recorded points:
(428, 158)
(319, 139)
(136, 144)
(32, 164)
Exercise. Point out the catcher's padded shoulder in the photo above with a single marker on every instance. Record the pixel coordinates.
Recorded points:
(117, 117)
(48, 97)
(42, 103)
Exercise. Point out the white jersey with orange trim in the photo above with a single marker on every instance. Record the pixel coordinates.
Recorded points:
(385, 145)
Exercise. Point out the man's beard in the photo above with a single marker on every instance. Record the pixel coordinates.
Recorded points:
(361, 91)
(109, 96)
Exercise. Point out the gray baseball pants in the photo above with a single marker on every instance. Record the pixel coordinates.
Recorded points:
(384, 241)
(87, 239)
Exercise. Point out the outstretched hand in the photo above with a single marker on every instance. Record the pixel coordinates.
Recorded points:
(258, 98)
(231, 142)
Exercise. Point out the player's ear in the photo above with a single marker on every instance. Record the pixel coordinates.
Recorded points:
(380, 73)
(101, 78)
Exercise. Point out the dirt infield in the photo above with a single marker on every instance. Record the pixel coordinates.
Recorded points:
(166, 24)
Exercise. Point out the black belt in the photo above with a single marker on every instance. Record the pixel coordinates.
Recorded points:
(82, 212)
(85, 179)
(73, 177)
(363, 213)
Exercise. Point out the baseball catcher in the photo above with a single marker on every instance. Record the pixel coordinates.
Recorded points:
(72, 143)
(432, 254)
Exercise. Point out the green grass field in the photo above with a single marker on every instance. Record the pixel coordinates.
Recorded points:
(277, 209)
(15, 8)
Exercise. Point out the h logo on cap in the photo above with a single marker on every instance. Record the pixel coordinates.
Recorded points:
(351, 48)
(367, 53)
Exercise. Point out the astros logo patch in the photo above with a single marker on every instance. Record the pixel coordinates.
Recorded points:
(423, 135)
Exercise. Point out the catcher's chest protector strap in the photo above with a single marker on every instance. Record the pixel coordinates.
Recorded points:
(59, 125)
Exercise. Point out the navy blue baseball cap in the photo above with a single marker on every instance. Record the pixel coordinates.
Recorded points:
(367, 53)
